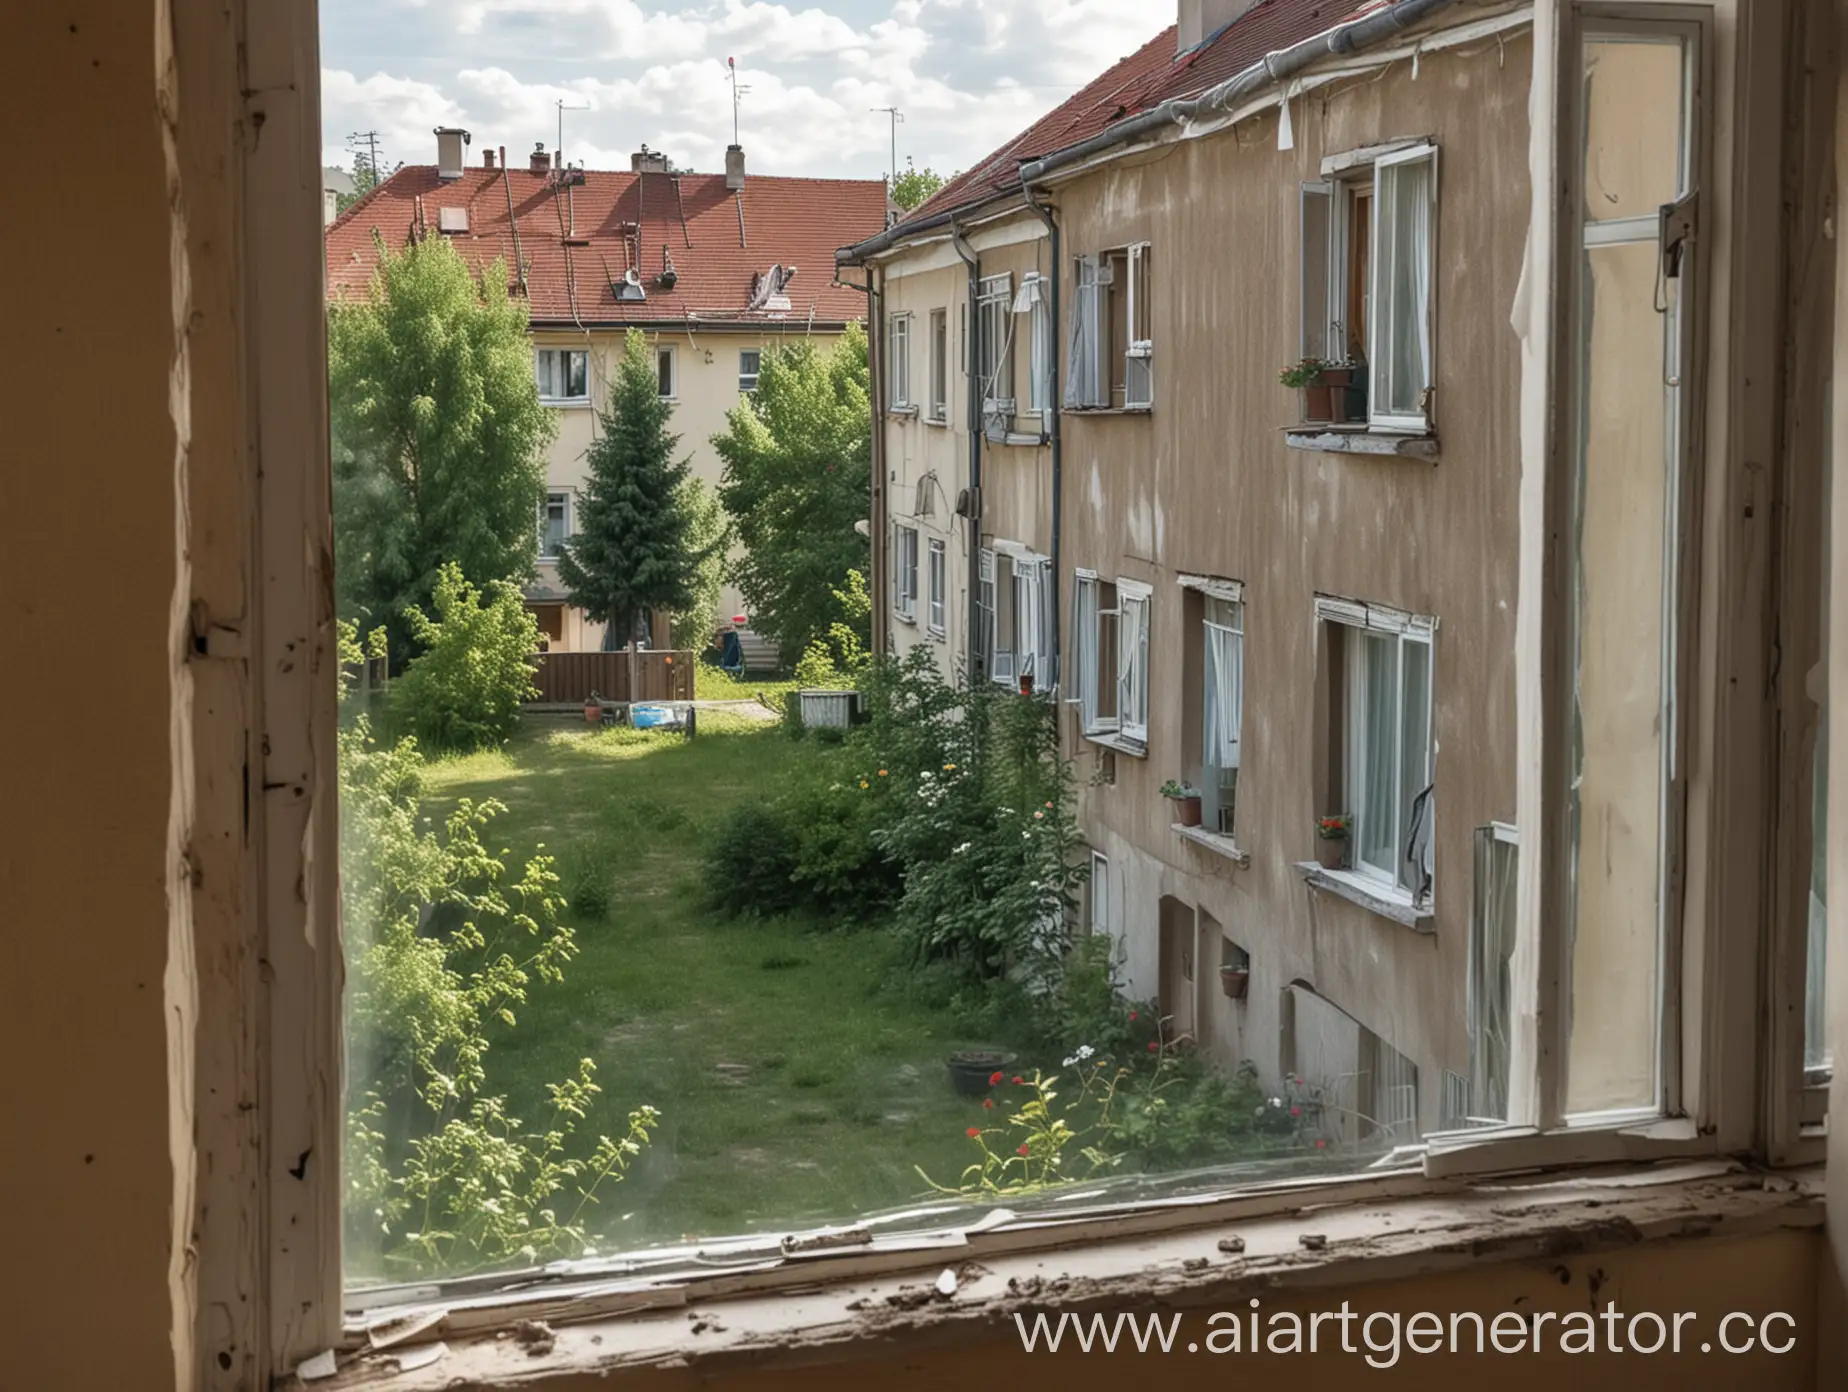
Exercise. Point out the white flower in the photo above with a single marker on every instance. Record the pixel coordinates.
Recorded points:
(1070, 1061)
(1085, 1051)
(1276, 1101)
(960, 849)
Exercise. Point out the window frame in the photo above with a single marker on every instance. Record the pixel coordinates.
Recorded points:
(1087, 385)
(1099, 921)
(541, 352)
(669, 355)
(1379, 316)
(1040, 347)
(1212, 789)
(994, 338)
(898, 362)
(936, 603)
(751, 377)
(1133, 677)
(939, 403)
(905, 572)
(569, 501)
(1138, 350)
(1355, 744)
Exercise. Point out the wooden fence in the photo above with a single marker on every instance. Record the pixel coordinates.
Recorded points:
(568, 678)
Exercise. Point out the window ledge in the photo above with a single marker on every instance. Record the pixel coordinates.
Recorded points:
(902, 412)
(1370, 895)
(911, 619)
(1106, 410)
(1020, 437)
(566, 403)
(1214, 842)
(1137, 749)
(859, 1304)
(1359, 439)
(941, 422)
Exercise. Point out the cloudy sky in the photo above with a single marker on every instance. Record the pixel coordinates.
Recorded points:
(966, 73)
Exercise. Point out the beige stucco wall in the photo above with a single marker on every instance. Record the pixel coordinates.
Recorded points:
(706, 369)
(1016, 479)
(1205, 484)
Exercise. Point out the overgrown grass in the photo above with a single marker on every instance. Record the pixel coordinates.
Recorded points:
(795, 1083)
(715, 684)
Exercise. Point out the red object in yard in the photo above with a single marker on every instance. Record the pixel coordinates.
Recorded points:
(738, 619)
(593, 712)
(1026, 684)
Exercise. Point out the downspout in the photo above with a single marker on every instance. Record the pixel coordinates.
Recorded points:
(974, 375)
(1053, 403)
(877, 563)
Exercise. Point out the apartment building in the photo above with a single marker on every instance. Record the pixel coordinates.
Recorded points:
(714, 268)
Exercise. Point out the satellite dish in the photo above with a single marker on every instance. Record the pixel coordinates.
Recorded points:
(633, 276)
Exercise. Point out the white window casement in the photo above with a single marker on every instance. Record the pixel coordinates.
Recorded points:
(667, 372)
(1035, 301)
(1098, 920)
(1484, 1093)
(1139, 352)
(1087, 381)
(1222, 707)
(905, 572)
(1384, 699)
(1134, 601)
(1020, 642)
(750, 363)
(936, 574)
(898, 362)
(994, 338)
(554, 524)
(983, 660)
(564, 376)
(1095, 614)
(939, 365)
(1369, 237)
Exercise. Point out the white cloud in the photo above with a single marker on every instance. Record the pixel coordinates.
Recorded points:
(968, 74)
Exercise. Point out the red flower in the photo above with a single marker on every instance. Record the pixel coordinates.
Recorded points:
(1296, 1111)
(1132, 1017)
(1321, 1145)
(1154, 1046)
(1022, 1149)
(973, 1132)
(994, 1078)
(1019, 1081)
(989, 1103)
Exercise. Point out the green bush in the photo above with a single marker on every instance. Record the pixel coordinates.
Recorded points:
(464, 690)
(750, 862)
(588, 873)
(811, 851)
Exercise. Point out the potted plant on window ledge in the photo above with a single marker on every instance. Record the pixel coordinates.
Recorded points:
(1186, 800)
(1327, 388)
(1333, 838)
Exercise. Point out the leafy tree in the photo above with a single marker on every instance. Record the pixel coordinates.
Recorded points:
(444, 940)
(464, 690)
(632, 550)
(798, 472)
(915, 185)
(708, 535)
(438, 435)
(366, 177)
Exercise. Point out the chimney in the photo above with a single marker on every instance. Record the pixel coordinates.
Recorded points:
(647, 161)
(449, 158)
(487, 159)
(734, 167)
(1199, 20)
(540, 162)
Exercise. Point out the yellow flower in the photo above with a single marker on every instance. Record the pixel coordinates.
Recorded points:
(863, 783)
(882, 773)
(948, 767)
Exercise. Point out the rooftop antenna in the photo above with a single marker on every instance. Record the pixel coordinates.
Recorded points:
(898, 118)
(731, 76)
(563, 107)
(369, 140)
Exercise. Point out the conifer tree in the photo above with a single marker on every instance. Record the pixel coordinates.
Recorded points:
(633, 548)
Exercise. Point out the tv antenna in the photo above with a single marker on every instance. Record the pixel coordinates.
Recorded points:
(898, 119)
(369, 142)
(731, 76)
(564, 106)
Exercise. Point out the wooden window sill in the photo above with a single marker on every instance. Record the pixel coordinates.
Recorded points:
(1372, 895)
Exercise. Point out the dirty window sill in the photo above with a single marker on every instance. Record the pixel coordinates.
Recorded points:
(1028, 438)
(1371, 895)
(1214, 842)
(941, 422)
(902, 412)
(857, 1305)
(1359, 439)
(1136, 749)
(1107, 410)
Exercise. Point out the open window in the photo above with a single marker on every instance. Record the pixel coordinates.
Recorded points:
(994, 362)
(1112, 347)
(564, 375)
(905, 572)
(1035, 301)
(1094, 630)
(1020, 640)
(1368, 260)
(935, 586)
(1132, 660)
(1222, 705)
(1483, 1097)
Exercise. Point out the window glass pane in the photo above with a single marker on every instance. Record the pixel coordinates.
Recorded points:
(1633, 97)
(1414, 850)
(664, 371)
(1491, 955)
(579, 367)
(1402, 366)
(1621, 710)
(1378, 727)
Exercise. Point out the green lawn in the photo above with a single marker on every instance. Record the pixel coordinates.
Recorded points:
(714, 684)
(795, 1082)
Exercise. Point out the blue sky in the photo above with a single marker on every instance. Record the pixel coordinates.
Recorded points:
(966, 73)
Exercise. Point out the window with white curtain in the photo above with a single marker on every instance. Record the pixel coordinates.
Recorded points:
(1386, 720)
(994, 324)
(1036, 293)
(1132, 665)
(1087, 383)
(1400, 358)
(905, 572)
(934, 588)
(563, 373)
(898, 362)
(1139, 352)
(939, 365)
(1094, 643)
(1021, 627)
(554, 525)
(1222, 708)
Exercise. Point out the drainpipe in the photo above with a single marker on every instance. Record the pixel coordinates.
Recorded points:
(973, 262)
(1052, 406)
(876, 500)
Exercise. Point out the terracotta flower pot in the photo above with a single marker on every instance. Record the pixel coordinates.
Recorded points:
(1335, 381)
(593, 712)
(1235, 983)
(1187, 810)
(1332, 852)
(1318, 401)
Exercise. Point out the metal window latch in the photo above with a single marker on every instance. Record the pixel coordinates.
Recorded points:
(1676, 223)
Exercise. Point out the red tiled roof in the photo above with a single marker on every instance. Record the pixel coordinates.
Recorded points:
(1146, 78)
(721, 244)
